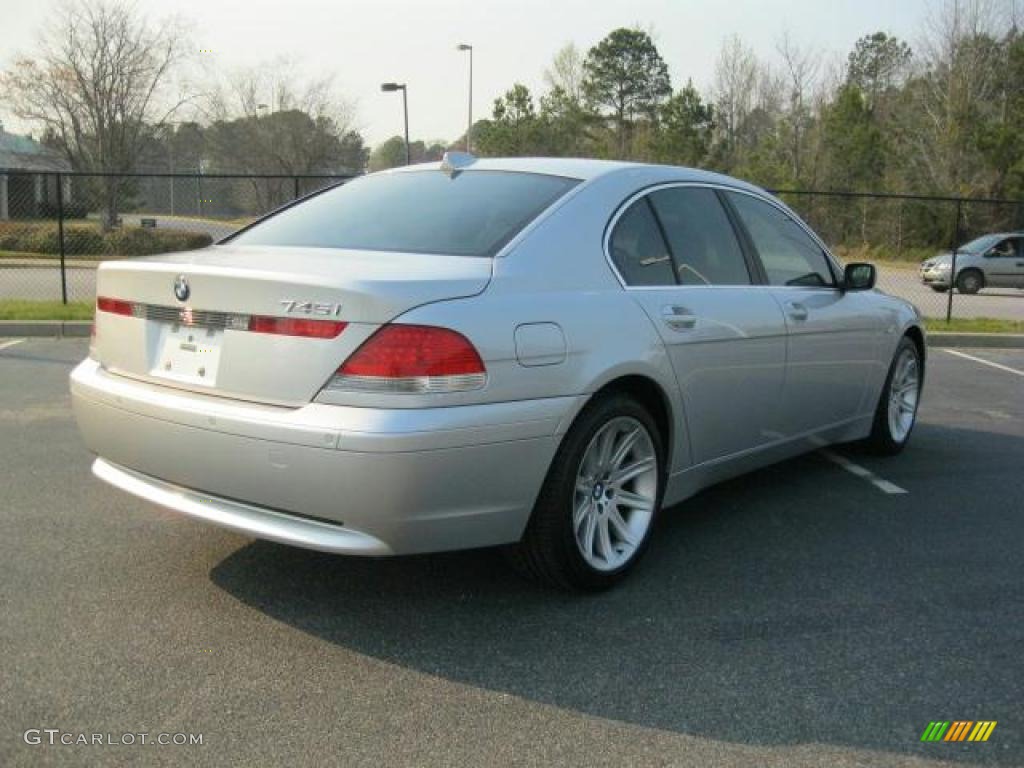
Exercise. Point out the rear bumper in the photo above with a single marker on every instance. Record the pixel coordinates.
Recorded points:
(338, 479)
(246, 518)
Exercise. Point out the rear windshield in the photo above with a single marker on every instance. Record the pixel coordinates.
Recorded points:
(473, 214)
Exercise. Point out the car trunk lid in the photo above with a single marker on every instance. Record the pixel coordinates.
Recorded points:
(224, 337)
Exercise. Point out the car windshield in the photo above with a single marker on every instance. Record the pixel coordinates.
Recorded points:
(474, 213)
(980, 244)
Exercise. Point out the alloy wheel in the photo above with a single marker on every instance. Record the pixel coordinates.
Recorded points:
(904, 391)
(615, 493)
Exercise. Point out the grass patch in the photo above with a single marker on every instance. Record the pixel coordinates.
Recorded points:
(974, 325)
(237, 222)
(15, 309)
(877, 254)
(55, 257)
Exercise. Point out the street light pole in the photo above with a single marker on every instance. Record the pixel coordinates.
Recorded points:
(170, 132)
(469, 127)
(388, 87)
(405, 113)
(170, 154)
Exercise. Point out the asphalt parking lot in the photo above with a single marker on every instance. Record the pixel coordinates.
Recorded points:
(800, 616)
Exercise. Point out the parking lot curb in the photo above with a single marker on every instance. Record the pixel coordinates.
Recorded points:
(51, 328)
(977, 340)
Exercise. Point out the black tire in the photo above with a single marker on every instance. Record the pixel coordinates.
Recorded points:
(939, 288)
(881, 439)
(548, 552)
(970, 281)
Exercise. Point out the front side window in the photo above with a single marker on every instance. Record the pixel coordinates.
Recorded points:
(638, 249)
(700, 236)
(474, 213)
(1006, 249)
(790, 256)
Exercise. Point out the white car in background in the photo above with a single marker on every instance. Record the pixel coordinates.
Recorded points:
(995, 261)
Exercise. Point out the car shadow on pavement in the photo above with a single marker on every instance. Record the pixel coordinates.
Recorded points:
(795, 605)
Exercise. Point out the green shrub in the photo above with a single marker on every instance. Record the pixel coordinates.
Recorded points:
(11, 236)
(87, 239)
(136, 241)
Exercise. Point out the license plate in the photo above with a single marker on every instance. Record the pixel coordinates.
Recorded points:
(188, 354)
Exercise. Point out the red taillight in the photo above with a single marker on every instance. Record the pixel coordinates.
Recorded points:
(412, 358)
(290, 326)
(114, 306)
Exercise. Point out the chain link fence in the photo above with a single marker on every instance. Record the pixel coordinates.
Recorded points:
(56, 227)
(898, 233)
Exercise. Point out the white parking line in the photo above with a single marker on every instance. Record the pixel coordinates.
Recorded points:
(6, 344)
(1006, 368)
(864, 473)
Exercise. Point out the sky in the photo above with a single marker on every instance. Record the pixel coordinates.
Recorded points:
(366, 42)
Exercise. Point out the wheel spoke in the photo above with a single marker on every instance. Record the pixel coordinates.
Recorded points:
(605, 541)
(625, 474)
(589, 530)
(623, 448)
(582, 510)
(633, 500)
(604, 449)
(621, 528)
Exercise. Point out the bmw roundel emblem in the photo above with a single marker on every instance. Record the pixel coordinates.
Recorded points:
(181, 289)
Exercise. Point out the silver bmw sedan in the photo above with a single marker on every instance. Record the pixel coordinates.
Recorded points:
(534, 353)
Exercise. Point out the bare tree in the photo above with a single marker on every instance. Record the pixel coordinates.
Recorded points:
(959, 77)
(736, 81)
(272, 119)
(97, 85)
(276, 86)
(566, 73)
(800, 70)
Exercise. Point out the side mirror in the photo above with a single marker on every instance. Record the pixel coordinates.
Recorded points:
(859, 277)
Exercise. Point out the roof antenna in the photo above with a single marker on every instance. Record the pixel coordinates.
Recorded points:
(453, 162)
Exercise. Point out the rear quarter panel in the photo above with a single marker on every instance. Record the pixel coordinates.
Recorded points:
(558, 274)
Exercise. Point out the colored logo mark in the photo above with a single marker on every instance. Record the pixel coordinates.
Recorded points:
(959, 730)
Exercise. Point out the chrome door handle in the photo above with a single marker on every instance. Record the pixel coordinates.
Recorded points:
(678, 318)
(796, 310)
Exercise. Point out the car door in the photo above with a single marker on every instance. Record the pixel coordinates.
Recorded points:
(679, 257)
(1004, 264)
(833, 336)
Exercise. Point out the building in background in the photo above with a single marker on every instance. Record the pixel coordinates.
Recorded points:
(24, 191)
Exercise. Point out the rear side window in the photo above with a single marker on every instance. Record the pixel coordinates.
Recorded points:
(790, 256)
(639, 250)
(473, 214)
(700, 236)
